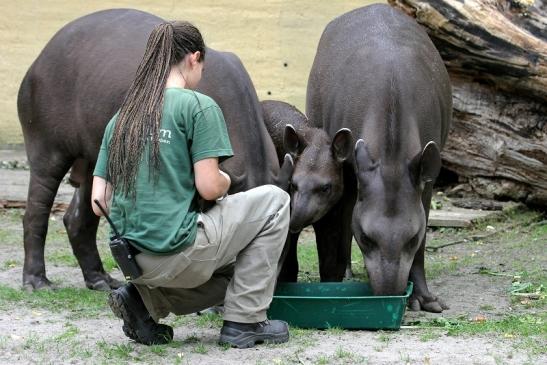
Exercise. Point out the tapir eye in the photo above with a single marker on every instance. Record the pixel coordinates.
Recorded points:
(326, 188)
(413, 242)
(367, 243)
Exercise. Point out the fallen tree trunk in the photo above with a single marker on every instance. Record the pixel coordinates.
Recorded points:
(496, 54)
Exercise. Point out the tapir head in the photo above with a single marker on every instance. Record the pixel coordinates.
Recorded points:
(389, 221)
(317, 182)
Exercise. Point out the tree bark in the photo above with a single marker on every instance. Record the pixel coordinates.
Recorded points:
(496, 54)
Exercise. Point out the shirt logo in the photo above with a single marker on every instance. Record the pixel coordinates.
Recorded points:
(165, 136)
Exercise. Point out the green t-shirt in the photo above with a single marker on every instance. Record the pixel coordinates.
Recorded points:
(162, 219)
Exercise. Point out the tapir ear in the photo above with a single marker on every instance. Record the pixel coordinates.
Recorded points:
(292, 142)
(363, 161)
(430, 162)
(341, 145)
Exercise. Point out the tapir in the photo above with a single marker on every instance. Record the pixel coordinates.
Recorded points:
(377, 73)
(316, 183)
(67, 97)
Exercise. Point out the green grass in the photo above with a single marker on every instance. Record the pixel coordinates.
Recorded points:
(79, 302)
(335, 331)
(58, 251)
(62, 258)
(308, 259)
(209, 320)
(429, 335)
(159, 350)
(70, 332)
(302, 336)
(116, 351)
(10, 264)
(35, 343)
(343, 354)
(340, 356)
(529, 329)
(200, 348)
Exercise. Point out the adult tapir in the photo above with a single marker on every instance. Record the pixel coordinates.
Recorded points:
(317, 181)
(65, 101)
(377, 73)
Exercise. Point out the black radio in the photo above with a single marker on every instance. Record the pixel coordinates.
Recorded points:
(122, 251)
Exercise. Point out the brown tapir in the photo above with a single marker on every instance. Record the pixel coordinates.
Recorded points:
(377, 72)
(317, 182)
(68, 96)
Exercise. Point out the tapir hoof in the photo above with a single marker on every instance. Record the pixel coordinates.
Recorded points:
(37, 282)
(428, 303)
(104, 283)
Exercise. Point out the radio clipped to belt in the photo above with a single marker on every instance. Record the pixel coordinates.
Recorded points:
(122, 251)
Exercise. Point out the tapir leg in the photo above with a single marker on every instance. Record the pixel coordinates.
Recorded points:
(333, 234)
(421, 297)
(81, 225)
(289, 269)
(45, 176)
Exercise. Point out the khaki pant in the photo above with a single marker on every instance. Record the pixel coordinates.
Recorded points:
(233, 260)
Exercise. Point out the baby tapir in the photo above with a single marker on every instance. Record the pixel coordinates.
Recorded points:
(317, 182)
(377, 72)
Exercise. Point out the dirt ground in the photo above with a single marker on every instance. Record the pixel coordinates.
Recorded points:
(485, 324)
(266, 35)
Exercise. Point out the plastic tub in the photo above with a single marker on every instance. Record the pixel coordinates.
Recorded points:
(348, 305)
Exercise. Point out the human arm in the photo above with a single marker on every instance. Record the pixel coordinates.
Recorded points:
(211, 182)
(102, 191)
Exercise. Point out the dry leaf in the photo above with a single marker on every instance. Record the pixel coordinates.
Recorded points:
(480, 318)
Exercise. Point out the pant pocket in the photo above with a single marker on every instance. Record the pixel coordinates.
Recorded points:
(202, 263)
(159, 270)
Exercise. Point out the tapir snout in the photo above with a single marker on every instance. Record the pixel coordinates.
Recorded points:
(388, 277)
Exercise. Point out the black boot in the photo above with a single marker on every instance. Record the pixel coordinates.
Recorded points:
(138, 325)
(244, 335)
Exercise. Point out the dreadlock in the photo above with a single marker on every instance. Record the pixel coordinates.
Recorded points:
(139, 119)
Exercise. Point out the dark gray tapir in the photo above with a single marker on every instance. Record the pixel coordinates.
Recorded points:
(69, 94)
(317, 182)
(377, 73)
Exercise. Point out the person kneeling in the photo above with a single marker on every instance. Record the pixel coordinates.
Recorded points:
(190, 260)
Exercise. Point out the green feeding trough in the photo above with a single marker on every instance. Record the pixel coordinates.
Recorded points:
(350, 305)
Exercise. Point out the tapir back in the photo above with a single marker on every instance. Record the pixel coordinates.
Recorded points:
(81, 77)
(79, 81)
(377, 62)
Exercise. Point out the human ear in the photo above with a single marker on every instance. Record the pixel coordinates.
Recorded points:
(196, 56)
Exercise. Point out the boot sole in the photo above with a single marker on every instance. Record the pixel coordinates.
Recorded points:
(120, 309)
(248, 340)
(117, 305)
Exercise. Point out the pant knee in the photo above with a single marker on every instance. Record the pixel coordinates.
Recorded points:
(278, 195)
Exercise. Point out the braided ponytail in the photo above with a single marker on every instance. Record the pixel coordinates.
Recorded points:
(139, 119)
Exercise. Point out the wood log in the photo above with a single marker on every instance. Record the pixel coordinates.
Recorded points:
(496, 54)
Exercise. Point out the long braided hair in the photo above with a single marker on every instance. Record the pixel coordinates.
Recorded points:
(139, 119)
